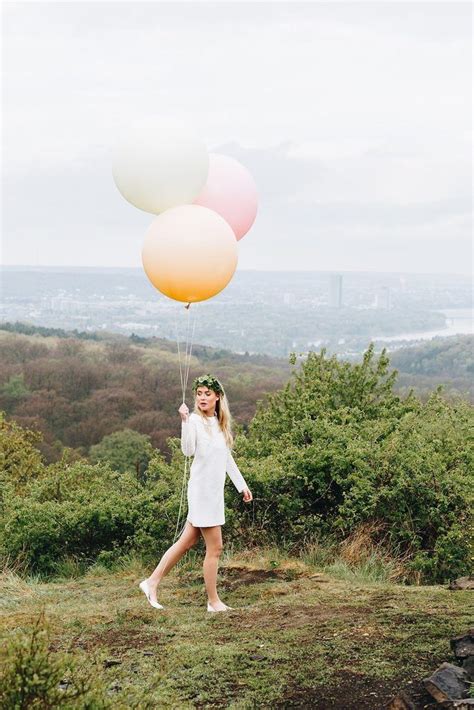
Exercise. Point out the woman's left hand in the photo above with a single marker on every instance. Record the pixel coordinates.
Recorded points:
(247, 495)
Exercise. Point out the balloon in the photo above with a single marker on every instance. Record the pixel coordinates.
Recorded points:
(189, 253)
(231, 191)
(158, 165)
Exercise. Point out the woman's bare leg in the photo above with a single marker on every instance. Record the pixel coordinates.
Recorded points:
(213, 539)
(173, 554)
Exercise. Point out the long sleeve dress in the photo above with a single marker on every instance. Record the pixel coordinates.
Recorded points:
(212, 460)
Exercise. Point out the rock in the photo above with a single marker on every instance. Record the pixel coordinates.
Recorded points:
(464, 704)
(401, 702)
(468, 665)
(448, 682)
(462, 583)
(463, 645)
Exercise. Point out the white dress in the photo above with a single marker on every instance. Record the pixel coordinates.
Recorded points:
(212, 460)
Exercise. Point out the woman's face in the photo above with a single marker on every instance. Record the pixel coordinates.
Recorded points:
(206, 400)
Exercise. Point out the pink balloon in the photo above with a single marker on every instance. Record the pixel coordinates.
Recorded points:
(230, 191)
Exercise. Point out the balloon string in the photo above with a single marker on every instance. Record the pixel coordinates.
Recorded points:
(189, 353)
(184, 369)
(179, 357)
(184, 366)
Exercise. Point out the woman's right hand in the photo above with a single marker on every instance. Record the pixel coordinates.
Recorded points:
(184, 412)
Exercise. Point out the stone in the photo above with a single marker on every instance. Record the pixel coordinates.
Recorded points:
(468, 665)
(464, 704)
(462, 583)
(463, 645)
(448, 682)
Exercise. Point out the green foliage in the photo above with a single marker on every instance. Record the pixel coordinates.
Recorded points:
(337, 447)
(80, 511)
(32, 676)
(446, 361)
(453, 356)
(28, 329)
(20, 460)
(125, 450)
(15, 388)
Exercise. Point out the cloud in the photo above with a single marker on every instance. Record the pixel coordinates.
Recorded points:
(354, 118)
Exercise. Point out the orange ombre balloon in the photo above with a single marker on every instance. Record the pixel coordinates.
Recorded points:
(189, 253)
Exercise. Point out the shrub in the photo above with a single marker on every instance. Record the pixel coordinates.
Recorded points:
(83, 510)
(32, 676)
(337, 448)
(125, 450)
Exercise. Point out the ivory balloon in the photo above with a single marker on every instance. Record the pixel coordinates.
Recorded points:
(158, 165)
(189, 253)
(231, 191)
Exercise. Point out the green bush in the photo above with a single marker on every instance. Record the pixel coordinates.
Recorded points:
(82, 511)
(32, 676)
(337, 448)
(20, 460)
(124, 451)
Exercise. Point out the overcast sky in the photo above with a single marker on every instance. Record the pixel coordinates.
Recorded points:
(354, 118)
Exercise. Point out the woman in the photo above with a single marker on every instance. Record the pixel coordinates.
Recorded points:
(205, 434)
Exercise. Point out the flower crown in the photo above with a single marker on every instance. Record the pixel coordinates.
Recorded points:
(208, 381)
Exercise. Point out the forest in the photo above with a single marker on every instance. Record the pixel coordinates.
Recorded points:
(442, 361)
(78, 388)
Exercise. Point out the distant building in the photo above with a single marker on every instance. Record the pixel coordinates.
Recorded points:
(288, 299)
(335, 290)
(383, 298)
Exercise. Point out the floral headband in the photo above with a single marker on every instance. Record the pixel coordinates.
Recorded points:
(208, 381)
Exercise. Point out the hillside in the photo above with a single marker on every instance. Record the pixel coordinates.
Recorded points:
(77, 388)
(441, 361)
(360, 497)
(301, 636)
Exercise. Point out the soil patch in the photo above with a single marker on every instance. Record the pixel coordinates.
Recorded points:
(295, 616)
(352, 692)
(121, 639)
(239, 576)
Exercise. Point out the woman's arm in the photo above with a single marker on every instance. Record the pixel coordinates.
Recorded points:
(234, 474)
(188, 437)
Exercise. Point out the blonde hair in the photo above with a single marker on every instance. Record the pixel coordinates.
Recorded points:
(224, 417)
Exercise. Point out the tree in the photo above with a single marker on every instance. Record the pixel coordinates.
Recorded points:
(124, 451)
(13, 392)
(20, 460)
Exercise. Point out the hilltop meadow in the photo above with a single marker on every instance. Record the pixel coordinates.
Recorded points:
(338, 571)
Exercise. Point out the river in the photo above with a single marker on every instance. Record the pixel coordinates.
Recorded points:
(459, 321)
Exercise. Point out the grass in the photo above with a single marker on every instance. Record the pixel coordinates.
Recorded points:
(303, 635)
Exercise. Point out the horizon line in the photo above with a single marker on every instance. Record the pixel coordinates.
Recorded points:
(265, 271)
